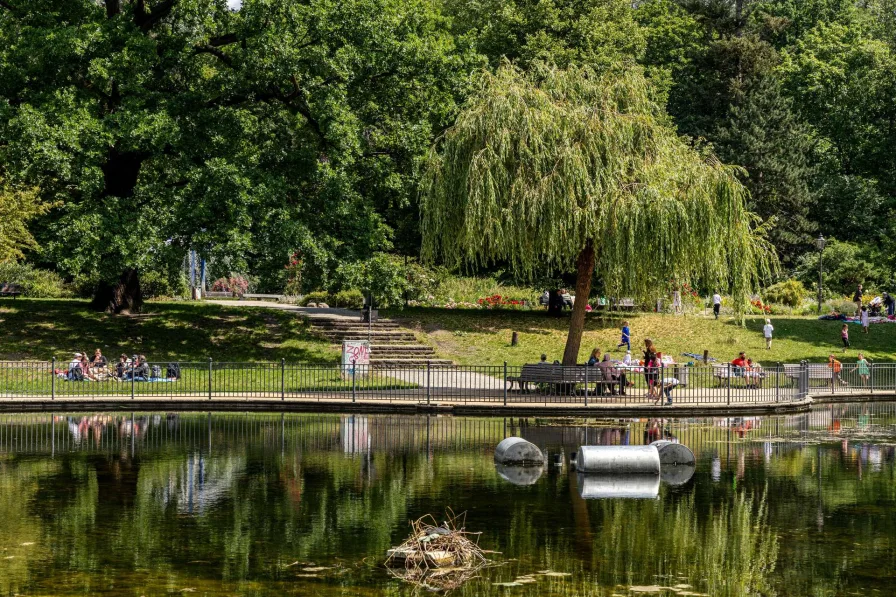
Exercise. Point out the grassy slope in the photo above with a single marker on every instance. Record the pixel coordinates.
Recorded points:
(41, 329)
(483, 337)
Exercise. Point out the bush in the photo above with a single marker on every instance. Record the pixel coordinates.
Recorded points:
(318, 296)
(790, 292)
(348, 299)
(155, 284)
(236, 284)
(37, 283)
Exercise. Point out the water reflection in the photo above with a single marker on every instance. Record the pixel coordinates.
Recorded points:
(258, 504)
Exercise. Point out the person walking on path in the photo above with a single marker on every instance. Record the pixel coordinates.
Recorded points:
(864, 319)
(863, 369)
(857, 299)
(716, 304)
(626, 337)
(844, 335)
(767, 330)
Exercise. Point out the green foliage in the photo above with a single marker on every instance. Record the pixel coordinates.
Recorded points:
(789, 292)
(318, 296)
(540, 165)
(17, 208)
(37, 283)
(845, 266)
(348, 299)
(381, 276)
(157, 284)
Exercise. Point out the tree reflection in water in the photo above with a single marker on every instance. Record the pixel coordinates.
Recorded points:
(298, 504)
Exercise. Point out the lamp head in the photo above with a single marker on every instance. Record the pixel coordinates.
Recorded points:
(820, 242)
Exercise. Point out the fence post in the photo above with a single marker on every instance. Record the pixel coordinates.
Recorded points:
(778, 383)
(729, 384)
(505, 382)
(871, 376)
(53, 379)
(804, 379)
(428, 382)
(354, 380)
(833, 378)
(282, 379)
(586, 385)
(209, 378)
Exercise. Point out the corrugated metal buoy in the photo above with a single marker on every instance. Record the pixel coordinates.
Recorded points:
(618, 460)
(519, 475)
(674, 453)
(516, 450)
(631, 486)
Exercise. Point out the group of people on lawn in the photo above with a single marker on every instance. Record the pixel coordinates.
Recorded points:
(97, 368)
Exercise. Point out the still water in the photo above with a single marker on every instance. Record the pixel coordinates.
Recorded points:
(233, 504)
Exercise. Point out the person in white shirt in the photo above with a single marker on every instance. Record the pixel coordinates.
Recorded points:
(676, 301)
(767, 332)
(716, 304)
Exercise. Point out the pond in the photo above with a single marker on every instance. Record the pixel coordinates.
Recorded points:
(271, 504)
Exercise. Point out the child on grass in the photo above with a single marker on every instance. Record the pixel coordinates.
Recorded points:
(767, 332)
(863, 369)
(844, 335)
(626, 337)
(864, 318)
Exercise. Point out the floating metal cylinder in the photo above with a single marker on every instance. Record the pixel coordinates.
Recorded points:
(519, 475)
(619, 460)
(516, 450)
(631, 486)
(674, 453)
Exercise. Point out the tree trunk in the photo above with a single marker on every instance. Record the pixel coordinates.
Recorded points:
(584, 273)
(122, 297)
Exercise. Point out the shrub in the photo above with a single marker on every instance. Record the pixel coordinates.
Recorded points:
(318, 296)
(790, 292)
(236, 284)
(37, 283)
(349, 299)
(154, 284)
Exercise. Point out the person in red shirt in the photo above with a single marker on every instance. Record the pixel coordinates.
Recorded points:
(740, 361)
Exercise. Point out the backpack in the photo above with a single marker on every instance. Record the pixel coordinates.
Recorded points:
(173, 371)
(76, 374)
(156, 371)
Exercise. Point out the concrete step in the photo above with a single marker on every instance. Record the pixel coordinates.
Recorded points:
(351, 325)
(400, 348)
(399, 363)
(375, 337)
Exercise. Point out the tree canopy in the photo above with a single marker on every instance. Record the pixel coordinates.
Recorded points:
(563, 168)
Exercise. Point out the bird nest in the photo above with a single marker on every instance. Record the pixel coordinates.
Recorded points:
(436, 556)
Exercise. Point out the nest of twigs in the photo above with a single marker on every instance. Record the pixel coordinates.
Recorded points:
(437, 556)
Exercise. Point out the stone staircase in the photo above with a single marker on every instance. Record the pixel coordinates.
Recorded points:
(390, 344)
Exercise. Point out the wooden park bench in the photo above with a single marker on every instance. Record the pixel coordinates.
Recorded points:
(12, 290)
(262, 297)
(557, 375)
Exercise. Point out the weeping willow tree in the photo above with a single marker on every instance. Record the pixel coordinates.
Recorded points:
(571, 170)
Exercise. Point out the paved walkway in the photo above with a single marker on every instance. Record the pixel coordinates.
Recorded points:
(309, 312)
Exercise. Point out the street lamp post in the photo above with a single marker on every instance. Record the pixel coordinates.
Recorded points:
(819, 244)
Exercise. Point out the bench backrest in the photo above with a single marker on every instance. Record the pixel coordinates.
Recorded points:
(6, 287)
(816, 370)
(559, 373)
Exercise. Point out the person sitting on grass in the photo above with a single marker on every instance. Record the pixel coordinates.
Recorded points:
(121, 367)
(98, 361)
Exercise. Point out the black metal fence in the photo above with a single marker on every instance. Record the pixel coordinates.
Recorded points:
(627, 385)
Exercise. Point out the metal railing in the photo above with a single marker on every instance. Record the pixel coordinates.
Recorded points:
(505, 384)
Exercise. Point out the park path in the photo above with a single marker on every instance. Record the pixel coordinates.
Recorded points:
(309, 312)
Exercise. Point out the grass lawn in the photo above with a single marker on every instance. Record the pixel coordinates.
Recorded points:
(475, 337)
(170, 331)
